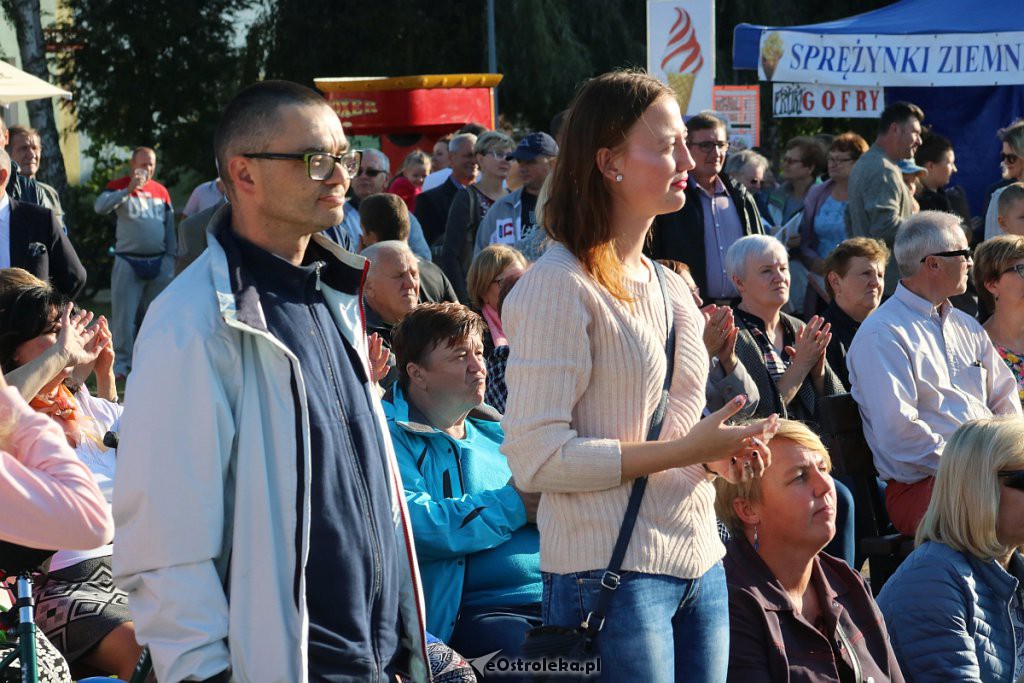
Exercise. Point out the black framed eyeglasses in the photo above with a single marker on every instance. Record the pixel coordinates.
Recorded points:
(709, 146)
(319, 165)
(1012, 478)
(966, 253)
(368, 172)
(1008, 158)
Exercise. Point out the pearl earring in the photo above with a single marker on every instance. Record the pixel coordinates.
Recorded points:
(618, 177)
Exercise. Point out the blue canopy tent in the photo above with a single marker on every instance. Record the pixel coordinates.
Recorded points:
(968, 115)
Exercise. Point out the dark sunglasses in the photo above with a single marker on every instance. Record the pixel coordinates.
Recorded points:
(370, 172)
(966, 253)
(1019, 269)
(1008, 158)
(1012, 478)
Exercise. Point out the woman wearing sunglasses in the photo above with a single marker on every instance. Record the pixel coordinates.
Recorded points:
(955, 607)
(999, 279)
(1012, 162)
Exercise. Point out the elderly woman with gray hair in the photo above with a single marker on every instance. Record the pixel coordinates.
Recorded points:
(785, 357)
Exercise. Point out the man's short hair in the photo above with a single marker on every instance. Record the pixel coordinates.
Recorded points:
(140, 149)
(992, 258)
(933, 149)
(461, 140)
(1011, 194)
(15, 131)
(427, 327)
(380, 156)
(377, 251)
(923, 234)
(737, 162)
(473, 128)
(839, 260)
(250, 120)
(899, 112)
(386, 216)
(705, 121)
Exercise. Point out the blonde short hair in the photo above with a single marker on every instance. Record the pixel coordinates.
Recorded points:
(965, 498)
(991, 260)
(489, 264)
(789, 430)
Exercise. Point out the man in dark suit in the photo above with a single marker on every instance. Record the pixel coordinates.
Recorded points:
(31, 238)
(432, 206)
(718, 211)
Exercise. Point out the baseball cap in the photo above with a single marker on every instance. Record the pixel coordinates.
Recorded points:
(535, 145)
(907, 167)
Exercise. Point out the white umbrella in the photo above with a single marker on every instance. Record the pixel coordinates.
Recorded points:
(19, 86)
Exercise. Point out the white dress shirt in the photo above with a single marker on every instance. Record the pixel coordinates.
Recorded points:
(918, 372)
(5, 230)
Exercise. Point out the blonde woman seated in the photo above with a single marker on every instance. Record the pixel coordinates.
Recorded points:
(954, 607)
(795, 613)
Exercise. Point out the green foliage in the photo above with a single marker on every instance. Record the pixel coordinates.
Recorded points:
(152, 73)
(93, 234)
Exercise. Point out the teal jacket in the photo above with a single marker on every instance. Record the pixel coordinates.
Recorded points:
(448, 523)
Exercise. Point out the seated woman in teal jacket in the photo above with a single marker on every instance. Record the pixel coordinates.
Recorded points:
(478, 546)
(954, 608)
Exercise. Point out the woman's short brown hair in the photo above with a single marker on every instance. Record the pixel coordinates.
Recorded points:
(489, 264)
(992, 259)
(427, 327)
(789, 430)
(839, 260)
(849, 143)
(812, 153)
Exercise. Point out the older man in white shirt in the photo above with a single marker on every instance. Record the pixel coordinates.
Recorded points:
(919, 368)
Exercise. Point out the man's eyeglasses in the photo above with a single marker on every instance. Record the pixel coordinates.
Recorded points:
(369, 172)
(1008, 158)
(1019, 269)
(709, 146)
(319, 165)
(1012, 478)
(966, 253)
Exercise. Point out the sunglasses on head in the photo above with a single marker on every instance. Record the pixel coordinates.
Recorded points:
(1012, 478)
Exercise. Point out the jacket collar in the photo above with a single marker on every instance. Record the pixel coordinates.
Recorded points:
(919, 304)
(408, 416)
(1005, 581)
(237, 295)
(750, 572)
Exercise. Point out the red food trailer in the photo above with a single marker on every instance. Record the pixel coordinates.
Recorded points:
(411, 112)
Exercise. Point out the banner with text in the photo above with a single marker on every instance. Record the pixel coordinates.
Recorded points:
(740, 105)
(893, 60)
(681, 49)
(794, 100)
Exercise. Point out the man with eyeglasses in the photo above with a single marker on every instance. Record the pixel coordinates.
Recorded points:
(919, 367)
(370, 179)
(145, 246)
(262, 529)
(879, 200)
(718, 211)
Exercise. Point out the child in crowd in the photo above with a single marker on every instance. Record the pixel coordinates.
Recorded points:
(1011, 209)
(409, 182)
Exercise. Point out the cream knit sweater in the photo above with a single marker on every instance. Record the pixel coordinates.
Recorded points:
(584, 374)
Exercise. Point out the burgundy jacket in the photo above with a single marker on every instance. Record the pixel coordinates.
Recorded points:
(769, 642)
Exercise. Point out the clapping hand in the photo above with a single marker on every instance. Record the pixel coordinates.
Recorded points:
(378, 356)
(811, 342)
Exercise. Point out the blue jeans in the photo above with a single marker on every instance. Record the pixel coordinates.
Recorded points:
(636, 643)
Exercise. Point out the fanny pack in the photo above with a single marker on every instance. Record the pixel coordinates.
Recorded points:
(146, 266)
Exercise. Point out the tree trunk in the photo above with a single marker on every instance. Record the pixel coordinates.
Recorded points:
(25, 14)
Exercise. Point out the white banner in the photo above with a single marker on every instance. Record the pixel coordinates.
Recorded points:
(792, 100)
(681, 49)
(893, 60)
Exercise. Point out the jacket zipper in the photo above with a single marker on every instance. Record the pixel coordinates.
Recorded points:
(363, 488)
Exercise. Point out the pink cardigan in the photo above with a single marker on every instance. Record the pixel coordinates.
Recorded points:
(48, 497)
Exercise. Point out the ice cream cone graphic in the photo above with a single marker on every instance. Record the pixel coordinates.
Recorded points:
(771, 53)
(682, 59)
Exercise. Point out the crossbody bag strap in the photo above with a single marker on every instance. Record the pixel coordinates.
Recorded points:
(594, 621)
